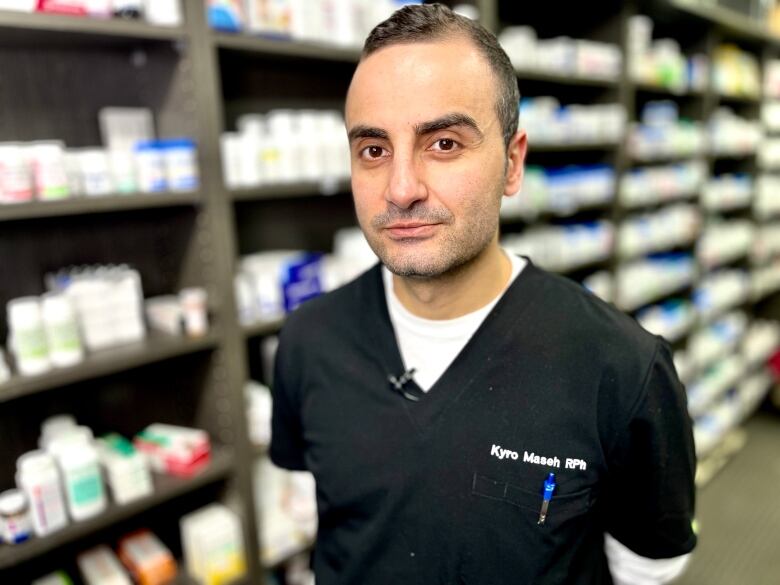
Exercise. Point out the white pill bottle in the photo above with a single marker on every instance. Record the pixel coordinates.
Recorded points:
(38, 478)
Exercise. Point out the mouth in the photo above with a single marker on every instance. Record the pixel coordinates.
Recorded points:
(411, 230)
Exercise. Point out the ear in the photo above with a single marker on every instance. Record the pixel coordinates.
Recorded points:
(518, 146)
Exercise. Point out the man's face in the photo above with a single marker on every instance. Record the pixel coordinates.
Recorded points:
(429, 165)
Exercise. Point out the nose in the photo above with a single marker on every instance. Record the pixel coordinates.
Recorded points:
(406, 186)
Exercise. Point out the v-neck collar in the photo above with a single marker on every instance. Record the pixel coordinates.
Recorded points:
(479, 351)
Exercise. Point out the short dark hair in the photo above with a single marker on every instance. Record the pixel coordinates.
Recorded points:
(424, 22)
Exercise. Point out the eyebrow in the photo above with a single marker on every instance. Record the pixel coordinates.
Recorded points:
(362, 131)
(441, 123)
(448, 121)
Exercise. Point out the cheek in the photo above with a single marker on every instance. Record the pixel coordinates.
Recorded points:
(367, 198)
(465, 189)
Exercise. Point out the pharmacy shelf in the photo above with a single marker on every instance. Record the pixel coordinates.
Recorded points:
(665, 159)
(587, 264)
(275, 47)
(720, 156)
(728, 98)
(736, 257)
(291, 190)
(263, 328)
(682, 288)
(728, 20)
(541, 147)
(714, 459)
(283, 557)
(548, 216)
(155, 349)
(90, 205)
(660, 248)
(645, 87)
(564, 79)
(166, 488)
(667, 200)
(36, 29)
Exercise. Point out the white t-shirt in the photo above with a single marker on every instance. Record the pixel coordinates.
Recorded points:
(430, 346)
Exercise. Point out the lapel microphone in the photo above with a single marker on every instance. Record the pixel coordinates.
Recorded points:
(398, 384)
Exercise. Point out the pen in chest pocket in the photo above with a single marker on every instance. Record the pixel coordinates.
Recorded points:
(549, 488)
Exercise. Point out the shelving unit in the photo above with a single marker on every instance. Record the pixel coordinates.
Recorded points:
(20, 28)
(198, 82)
(165, 490)
(107, 204)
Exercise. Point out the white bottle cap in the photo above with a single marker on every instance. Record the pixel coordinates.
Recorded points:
(12, 502)
(23, 310)
(56, 425)
(34, 462)
(56, 307)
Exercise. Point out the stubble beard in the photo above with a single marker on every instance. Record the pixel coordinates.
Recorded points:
(457, 248)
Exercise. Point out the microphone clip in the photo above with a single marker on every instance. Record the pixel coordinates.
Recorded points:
(398, 384)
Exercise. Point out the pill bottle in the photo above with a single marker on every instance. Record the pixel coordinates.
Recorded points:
(62, 333)
(150, 167)
(28, 338)
(95, 172)
(193, 304)
(15, 525)
(38, 478)
(15, 174)
(181, 164)
(55, 426)
(83, 482)
(163, 12)
(123, 172)
(48, 167)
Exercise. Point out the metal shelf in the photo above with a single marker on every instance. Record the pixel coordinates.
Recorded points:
(738, 99)
(564, 79)
(88, 205)
(720, 156)
(166, 488)
(645, 87)
(281, 47)
(155, 349)
(263, 328)
(574, 148)
(665, 159)
(728, 20)
(291, 190)
(23, 29)
(548, 216)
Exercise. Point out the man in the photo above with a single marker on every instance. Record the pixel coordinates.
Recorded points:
(468, 417)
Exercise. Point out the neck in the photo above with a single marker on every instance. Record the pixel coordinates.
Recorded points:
(461, 291)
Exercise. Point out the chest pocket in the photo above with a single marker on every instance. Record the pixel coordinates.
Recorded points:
(506, 542)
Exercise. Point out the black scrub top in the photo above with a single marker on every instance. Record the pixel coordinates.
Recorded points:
(448, 489)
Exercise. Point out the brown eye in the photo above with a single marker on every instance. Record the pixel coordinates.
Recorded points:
(446, 144)
(374, 151)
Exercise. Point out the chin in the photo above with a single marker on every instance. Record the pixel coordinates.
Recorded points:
(417, 267)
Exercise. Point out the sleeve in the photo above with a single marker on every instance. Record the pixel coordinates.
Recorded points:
(287, 442)
(628, 568)
(650, 493)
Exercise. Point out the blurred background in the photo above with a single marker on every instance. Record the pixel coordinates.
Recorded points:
(174, 179)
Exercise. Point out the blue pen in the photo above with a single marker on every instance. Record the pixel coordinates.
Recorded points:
(549, 488)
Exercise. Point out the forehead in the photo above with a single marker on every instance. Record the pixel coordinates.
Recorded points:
(415, 82)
